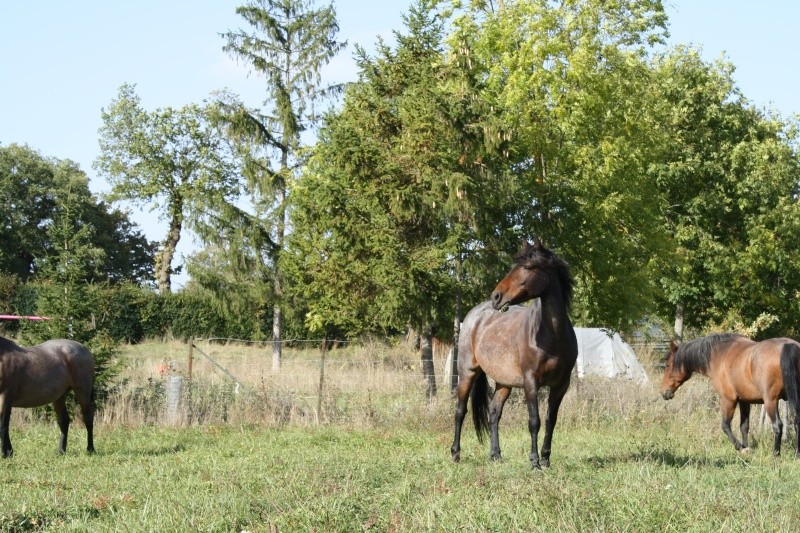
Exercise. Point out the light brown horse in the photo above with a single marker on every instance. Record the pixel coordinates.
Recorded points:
(30, 377)
(526, 347)
(743, 372)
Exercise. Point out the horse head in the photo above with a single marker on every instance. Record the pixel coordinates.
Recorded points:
(674, 375)
(536, 268)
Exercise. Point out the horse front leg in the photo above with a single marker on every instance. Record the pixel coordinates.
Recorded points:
(727, 407)
(501, 394)
(553, 404)
(532, 399)
(5, 420)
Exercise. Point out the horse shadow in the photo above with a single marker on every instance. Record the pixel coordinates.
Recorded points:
(145, 452)
(663, 457)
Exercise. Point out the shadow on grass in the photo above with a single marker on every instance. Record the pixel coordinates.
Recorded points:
(146, 452)
(664, 457)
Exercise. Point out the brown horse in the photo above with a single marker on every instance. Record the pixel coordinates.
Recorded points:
(30, 377)
(528, 347)
(743, 372)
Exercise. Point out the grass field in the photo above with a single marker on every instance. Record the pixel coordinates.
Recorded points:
(623, 460)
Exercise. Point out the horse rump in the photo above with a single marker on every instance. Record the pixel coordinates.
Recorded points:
(790, 370)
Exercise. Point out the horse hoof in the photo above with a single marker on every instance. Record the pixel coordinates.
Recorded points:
(496, 458)
(456, 457)
(746, 451)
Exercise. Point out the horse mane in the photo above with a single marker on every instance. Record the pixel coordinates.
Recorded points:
(7, 345)
(694, 355)
(537, 256)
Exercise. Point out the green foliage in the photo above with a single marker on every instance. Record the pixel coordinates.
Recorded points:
(571, 83)
(383, 215)
(172, 160)
(731, 174)
(34, 191)
(64, 296)
(288, 43)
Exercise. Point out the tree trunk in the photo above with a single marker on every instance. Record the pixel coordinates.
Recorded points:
(165, 256)
(277, 313)
(428, 370)
(456, 329)
(678, 329)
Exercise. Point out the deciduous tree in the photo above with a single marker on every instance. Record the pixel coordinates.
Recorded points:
(171, 160)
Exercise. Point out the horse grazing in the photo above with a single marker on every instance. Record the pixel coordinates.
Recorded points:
(528, 347)
(743, 372)
(30, 377)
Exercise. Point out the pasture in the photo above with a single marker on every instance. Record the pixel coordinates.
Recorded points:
(373, 454)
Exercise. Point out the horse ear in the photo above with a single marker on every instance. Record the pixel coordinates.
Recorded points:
(537, 244)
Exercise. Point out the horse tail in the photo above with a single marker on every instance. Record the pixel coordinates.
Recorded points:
(480, 405)
(790, 370)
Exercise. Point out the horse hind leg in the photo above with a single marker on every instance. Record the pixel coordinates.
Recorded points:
(5, 420)
(771, 407)
(744, 423)
(87, 413)
(463, 389)
(62, 417)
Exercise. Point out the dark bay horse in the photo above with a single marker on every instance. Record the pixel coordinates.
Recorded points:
(742, 372)
(525, 347)
(30, 377)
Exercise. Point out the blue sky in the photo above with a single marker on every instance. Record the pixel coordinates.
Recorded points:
(61, 62)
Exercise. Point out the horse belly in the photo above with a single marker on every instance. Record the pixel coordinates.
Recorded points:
(500, 361)
(37, 389)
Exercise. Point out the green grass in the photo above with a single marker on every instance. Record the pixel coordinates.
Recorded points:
(606, 476)
(379, 460)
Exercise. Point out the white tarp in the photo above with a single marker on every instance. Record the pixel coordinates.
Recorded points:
(609, 356)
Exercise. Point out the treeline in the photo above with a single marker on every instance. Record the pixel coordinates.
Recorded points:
(673, 198)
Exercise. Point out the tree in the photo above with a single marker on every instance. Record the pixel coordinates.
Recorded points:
(289, 43)
(171, 159)
(570, 82)
(387, 208)
(64, 288)
(731, 176)
(33, 189)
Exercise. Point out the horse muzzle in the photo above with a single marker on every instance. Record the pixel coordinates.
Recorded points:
(668, 394)
(498, 300)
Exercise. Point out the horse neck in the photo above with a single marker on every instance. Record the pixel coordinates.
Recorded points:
(554, 309)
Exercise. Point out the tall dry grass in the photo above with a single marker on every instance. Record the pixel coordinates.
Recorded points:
(357, 385)
(373, 384)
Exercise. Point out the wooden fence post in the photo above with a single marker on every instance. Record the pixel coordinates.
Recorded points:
(189, 381)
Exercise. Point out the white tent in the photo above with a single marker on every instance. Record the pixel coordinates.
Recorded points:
(602, 355)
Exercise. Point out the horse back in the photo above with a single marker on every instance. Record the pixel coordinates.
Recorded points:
(504, 345)
(751, 371)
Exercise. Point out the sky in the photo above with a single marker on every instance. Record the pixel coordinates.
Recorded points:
(62, 62)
